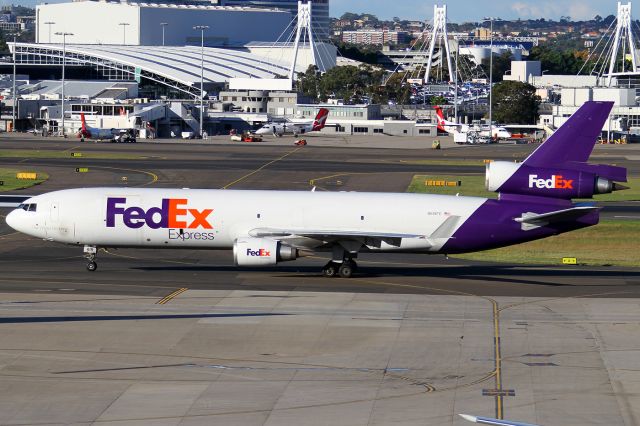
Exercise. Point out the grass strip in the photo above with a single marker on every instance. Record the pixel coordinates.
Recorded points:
(472, 185)
(36, 153)
(611, 243)
(12, 183)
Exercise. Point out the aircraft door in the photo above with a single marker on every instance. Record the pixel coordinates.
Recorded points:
(57, 226)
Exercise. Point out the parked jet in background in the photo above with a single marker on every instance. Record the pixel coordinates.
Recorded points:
(293, 128)
(267, 227)
(117, 135)
(450, 127)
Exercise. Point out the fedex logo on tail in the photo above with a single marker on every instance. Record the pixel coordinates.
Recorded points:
(172, 213)
(555, 182)
(258, 253)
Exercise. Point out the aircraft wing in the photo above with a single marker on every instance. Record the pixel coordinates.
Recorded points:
(534, 220)
(372, 238)
(494, 422)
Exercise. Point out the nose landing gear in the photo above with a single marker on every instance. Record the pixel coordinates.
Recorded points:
(90, 253)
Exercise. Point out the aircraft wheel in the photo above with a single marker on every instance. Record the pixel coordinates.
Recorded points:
(346, 270)
(92, 266)
(330, 270)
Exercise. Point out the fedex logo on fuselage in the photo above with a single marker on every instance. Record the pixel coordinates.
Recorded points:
(555, 182)
(172, 213)
(258, 253)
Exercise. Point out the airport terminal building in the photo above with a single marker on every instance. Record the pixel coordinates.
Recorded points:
(140, 24)
(155, 46)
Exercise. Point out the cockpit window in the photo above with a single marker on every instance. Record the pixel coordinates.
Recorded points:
(28, 207)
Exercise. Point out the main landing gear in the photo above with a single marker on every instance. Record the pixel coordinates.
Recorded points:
(342, 264)
(90, 253)
(343, 270)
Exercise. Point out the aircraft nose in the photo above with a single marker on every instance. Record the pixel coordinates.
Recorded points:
(12, 219)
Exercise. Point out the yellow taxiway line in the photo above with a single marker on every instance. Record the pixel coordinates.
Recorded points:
(171, 296)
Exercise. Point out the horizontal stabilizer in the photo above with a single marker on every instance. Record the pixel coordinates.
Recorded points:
(531, 221)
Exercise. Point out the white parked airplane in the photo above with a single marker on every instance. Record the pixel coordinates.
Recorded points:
(498, 132)
(293, 128)
(267, 227)
(97, 133)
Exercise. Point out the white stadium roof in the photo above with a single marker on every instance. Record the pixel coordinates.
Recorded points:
(176, 66)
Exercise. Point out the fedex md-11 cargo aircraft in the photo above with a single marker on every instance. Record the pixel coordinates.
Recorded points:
(268, 227)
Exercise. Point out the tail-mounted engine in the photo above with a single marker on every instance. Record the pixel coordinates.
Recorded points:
(573, 180)
(262, 252)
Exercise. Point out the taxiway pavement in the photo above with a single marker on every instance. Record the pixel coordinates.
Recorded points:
(184, 338)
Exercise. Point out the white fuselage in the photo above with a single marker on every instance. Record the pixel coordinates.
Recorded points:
(103, 134)
(497, 131)
(215, 219)
(285, 128)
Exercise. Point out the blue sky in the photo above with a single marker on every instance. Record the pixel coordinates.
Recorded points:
(474, 10)
(459, 10)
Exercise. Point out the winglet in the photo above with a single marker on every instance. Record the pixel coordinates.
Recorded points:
(468, 418)
(445, 230)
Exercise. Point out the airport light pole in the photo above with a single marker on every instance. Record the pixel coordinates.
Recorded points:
(491, 19)
(64, 63)
(124, 31)
(49, 23)
(455, 98)
(163, 24)
(13, 90)
(201, 28)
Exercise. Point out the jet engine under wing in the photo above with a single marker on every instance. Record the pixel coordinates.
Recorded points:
(370, 238)
(531, 221)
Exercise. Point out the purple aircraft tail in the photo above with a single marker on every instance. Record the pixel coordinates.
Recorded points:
(575, 139)
(558, 168)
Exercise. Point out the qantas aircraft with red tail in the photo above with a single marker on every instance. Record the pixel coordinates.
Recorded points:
(450, 127)
(264, 228)
(295, 128)
(97, 133)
